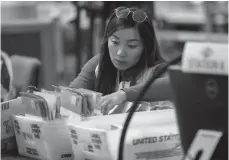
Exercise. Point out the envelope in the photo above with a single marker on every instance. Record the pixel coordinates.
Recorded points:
(42, 104)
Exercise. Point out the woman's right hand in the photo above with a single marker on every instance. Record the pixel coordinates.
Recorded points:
(110, 101)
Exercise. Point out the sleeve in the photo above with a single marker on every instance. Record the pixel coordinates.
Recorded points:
(86, 78)
(160, 89)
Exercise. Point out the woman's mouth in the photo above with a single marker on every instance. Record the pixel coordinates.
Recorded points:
(119, 62)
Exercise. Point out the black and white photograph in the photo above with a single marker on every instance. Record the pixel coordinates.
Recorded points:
(114, 80)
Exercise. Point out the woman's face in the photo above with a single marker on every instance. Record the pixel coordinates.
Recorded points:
(125, 48)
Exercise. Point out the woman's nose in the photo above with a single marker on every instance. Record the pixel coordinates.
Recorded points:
(121, 51)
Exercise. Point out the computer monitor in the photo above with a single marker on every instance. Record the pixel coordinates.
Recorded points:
(201, 102)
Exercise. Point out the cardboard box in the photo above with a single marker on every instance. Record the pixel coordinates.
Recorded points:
(152, 135)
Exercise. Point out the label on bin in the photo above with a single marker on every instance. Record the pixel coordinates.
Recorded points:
(205, 58)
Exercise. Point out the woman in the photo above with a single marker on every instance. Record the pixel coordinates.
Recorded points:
(129, 57)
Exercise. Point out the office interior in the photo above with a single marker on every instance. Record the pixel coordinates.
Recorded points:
(49, 42)
(71, 32)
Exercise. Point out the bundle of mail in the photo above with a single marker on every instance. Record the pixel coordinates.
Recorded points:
(47, 104)
(63, 124)
(35, 116)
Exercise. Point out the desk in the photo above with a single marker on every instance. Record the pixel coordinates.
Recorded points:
(14, 156)
(183, 36)
(180, 13)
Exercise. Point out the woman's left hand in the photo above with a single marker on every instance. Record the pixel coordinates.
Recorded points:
(110, 101)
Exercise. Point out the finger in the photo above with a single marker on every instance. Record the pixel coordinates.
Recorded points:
(102, 100)
(109, 107)
(104, 105)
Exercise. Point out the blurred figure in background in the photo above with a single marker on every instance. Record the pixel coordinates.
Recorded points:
(7, 89)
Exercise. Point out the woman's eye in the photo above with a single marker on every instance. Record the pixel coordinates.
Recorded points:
(115, 42)
(132, 46)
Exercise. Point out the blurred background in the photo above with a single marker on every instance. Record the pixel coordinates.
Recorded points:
(49, 42)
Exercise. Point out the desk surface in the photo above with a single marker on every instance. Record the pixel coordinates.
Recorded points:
(183, 36)
(14, 156)
(46, 12)
(180, 12)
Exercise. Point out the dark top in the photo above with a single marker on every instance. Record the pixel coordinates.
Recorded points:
(159, 91)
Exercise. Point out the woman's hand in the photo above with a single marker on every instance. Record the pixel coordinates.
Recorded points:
(110, 101)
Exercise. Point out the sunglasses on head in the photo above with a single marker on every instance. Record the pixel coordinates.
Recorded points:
(137, 15)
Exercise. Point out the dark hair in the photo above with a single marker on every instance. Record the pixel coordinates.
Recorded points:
(107, 73)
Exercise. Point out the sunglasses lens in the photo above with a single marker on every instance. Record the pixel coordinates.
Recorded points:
(139, 16)
(122, 12)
